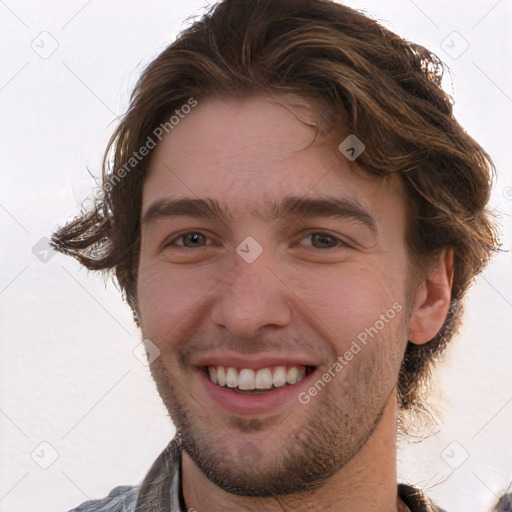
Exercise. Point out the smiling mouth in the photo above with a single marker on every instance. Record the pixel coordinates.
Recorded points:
(256, 382)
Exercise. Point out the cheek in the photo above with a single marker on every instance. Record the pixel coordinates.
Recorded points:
(348, 298)
(168, 298)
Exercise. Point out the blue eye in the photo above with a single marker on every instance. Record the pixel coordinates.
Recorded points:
(194, 237)
(325, 239)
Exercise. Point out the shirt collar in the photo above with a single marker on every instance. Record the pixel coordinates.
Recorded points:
(176, 492)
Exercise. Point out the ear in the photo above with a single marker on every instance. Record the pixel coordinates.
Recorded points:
(431, 300)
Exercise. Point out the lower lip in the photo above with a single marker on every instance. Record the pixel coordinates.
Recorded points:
(239, 403)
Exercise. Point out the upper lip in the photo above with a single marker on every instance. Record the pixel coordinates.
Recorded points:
(235, 360)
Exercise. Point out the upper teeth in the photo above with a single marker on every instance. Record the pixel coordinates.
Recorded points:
(264, 378)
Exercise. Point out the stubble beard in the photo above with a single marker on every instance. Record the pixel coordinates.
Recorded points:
(332, 433)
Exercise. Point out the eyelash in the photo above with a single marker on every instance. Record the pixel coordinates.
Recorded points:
(183, 235)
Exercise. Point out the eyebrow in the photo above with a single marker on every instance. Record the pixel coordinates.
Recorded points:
(294, 207)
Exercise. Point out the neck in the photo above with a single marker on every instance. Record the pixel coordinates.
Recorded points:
(367, 482)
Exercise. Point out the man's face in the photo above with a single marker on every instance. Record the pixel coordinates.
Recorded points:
(210, 300)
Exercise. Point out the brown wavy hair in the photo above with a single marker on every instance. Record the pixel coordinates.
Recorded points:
(365, 80)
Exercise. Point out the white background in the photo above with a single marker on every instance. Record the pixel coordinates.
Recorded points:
(68, 376)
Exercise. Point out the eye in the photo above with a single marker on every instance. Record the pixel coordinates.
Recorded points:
(321, 240)
(194, 238)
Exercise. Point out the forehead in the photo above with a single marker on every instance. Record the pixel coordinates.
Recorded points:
(247, 154)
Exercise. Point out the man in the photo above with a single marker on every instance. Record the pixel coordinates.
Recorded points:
(294, 216)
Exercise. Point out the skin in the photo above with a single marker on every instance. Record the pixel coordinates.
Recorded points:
(304, 295)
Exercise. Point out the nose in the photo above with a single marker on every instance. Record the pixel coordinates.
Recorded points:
(251, 298)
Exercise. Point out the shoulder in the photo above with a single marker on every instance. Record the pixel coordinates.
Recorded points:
(122, 498)
(504, 504)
